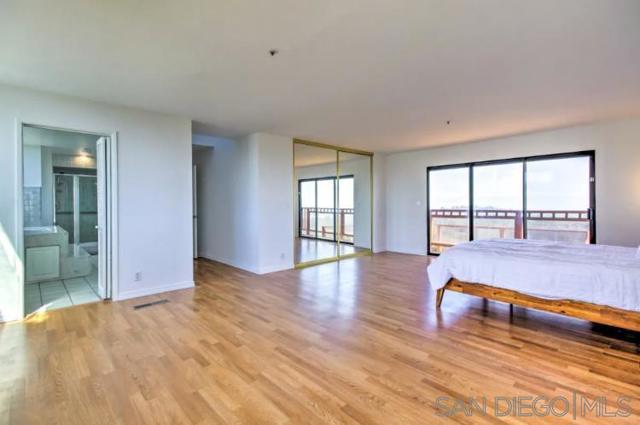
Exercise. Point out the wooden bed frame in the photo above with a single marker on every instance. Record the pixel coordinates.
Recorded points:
(593, 312)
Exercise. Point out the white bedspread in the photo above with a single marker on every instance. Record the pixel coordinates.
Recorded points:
(598, 274)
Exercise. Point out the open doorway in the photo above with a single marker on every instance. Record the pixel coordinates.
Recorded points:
(66, 218)
(203, 199)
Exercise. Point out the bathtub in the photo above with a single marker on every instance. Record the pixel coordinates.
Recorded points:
(41, 230)
(46, 236)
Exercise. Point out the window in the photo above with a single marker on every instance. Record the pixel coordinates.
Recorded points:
(317, 214)
(559, 199)
(497, 201)
(346, 197)
(544, 197)
(307, 204)
(449, 212)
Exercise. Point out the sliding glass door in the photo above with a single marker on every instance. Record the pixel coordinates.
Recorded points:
(318, 216)
(307, 206)
(448, 207)
(498, 201)
(326, 208)
(88, 209)
(346, 209)
(65, 201)
(559, 199)
(543, 197)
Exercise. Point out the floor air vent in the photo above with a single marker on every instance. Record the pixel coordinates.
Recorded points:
(139, 306)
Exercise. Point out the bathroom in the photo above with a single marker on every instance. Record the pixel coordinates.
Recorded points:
(60, 219)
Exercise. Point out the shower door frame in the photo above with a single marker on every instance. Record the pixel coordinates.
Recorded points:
(76, 203)
(111, 206)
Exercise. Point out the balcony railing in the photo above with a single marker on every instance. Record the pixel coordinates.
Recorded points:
(450, 226)
(343, 220)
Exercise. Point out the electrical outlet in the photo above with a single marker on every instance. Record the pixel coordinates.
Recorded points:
(138, 276)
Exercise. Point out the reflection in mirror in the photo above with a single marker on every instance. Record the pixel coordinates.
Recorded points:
(315, 219)
(354, 201)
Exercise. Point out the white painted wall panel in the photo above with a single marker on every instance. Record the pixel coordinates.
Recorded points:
(246, 200)
(617, 146)
(154, 192)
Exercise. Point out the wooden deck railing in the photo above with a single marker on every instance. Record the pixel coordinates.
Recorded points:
(307, 224)
(443, 219)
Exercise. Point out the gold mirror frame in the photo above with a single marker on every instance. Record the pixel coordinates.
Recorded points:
(338, 150)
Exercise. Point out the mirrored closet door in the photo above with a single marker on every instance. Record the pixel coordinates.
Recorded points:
(333, 203)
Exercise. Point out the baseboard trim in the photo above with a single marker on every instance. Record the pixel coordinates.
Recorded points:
(10, 318)
(135, 293)
(273, 269)
(230, 263)
(406, 251)
(254, 270)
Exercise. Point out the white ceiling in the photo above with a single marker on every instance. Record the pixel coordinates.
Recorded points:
(370, 74)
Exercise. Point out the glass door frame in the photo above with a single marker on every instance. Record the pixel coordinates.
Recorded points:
(296, 194)
(590, 154)
(76, 201)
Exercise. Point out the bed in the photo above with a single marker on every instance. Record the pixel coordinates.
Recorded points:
(599, 283)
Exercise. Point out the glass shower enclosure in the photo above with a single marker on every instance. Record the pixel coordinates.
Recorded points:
(76, 208)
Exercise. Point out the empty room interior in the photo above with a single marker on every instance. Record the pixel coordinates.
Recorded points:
(342, 212)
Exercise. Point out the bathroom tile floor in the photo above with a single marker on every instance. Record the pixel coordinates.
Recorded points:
(62, 293)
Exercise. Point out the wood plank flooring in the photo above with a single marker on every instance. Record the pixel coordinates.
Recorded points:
(353, 342)
(305, 250)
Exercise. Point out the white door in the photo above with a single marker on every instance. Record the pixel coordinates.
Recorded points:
(101, 157)
(195, 212)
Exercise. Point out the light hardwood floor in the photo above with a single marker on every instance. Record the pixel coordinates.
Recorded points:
(353, 342)
(306, 249)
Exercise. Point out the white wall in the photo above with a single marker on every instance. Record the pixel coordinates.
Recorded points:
(224, 216)
(617, 146)
(154, 192)
(275, 204)
(245, 201)
(32, 166)
(379, 202)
